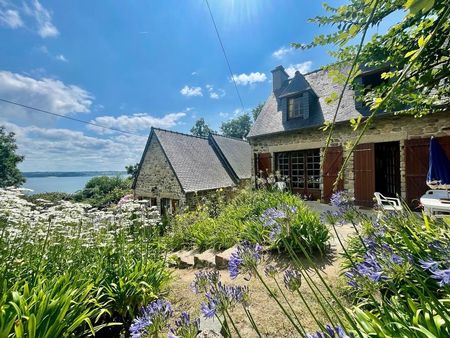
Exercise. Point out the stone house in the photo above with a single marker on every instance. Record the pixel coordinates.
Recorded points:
(176, 168)
(392, 157)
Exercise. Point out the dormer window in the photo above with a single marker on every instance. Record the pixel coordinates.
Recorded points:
(298, 106)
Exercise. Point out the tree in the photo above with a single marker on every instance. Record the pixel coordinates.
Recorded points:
(414, 51)
(10, 175)
(257, 110)
(102, 191)
(237, 127)
(200, 128)
(132, 170)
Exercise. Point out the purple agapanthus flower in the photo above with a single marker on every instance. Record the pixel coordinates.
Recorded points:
(271, 215)
(341, 200)
(292, 279)
(244, 259)
(428, 264)
(396, 259)
(270, 270)
(152, 319)
(331, 332)
(443, 276)
(209, 308)
(185, 327)
(369, 268)
(204, 280)
(222, 297)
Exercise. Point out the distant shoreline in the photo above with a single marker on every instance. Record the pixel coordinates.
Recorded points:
(31, 174)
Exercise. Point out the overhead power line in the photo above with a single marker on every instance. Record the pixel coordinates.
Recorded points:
(67, 117)
(225, 55)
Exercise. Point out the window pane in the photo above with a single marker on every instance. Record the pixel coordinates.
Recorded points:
(296, 107)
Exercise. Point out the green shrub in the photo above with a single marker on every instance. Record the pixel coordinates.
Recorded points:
(54, 197)
(103, 191)
(240, 220)
(132, 285)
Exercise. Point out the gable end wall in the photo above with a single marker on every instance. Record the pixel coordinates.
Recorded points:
(157, 172)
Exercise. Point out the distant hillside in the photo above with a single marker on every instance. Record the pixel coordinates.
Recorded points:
(72, 173)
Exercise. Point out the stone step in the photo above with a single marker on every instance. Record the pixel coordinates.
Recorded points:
(184, 259)
(222, 258)
(205, 259)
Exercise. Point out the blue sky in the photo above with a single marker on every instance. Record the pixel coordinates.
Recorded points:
(135, 64)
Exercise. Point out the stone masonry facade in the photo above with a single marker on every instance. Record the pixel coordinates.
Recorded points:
(157, 179)
(387, 129)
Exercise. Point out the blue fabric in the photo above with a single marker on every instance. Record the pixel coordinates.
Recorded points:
(439, 166)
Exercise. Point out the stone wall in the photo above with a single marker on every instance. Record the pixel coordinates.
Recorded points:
(387, 129)
(156, 178)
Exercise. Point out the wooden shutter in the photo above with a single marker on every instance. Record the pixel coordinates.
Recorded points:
(416, 165)
(331, 166)
(264, 163)
(416, 168)
(364, 171)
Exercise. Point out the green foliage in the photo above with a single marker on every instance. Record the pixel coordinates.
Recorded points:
(132, 170)
(237, 127)
(257, 110)
(102, 191)
(425, 26)
(53, 197)
(133, 284)
(240, 220)
(200, 128)
(55, 307)
(71, 271)
(9, 173)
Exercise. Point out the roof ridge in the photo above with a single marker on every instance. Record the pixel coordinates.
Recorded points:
(230, 137)
(179, 133)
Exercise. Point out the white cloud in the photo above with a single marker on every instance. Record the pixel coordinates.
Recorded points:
(45, 93)
(10, 18)
(61, 57)
(215, 93)
(136, 122)
(246, 79)
(39, 18)
(58, 57)
(45, 27)
(57, 149)
(282, 52)
(303, 68)
(194, 73)
(191, 91)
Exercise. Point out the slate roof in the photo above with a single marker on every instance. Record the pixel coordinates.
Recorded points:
(270, 120)
(202, 163)
(238, 154)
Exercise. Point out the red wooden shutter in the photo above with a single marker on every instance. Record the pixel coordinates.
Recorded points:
(416, 168)
(331, 166)
(416, 165)
(364, 171)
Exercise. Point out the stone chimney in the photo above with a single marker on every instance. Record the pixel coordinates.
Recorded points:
(279, 76)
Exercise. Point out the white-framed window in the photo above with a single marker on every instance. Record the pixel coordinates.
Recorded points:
(298, 106)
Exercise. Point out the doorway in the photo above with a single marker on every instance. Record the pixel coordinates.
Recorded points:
(387, 168)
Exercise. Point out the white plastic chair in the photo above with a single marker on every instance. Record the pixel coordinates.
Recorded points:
(388, 203)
